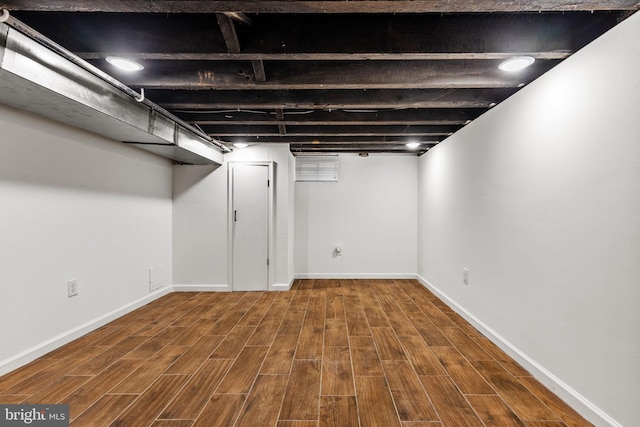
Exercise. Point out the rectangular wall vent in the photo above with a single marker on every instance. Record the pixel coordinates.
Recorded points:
(155, 278)
(317, 168)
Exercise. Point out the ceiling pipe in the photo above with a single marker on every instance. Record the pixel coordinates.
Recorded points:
(70, 56)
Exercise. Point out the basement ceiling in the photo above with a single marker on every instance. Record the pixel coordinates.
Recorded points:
(324, 76)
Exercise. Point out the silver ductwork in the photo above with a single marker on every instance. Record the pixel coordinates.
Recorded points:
(39, 76)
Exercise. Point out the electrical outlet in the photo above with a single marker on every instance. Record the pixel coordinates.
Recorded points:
(465, 276)
(72, 287)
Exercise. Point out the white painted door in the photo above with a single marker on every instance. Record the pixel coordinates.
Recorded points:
(250, 227)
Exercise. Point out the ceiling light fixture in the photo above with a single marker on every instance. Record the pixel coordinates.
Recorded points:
(516, 63)
(413, 145)
(124, 64)
(240, 145)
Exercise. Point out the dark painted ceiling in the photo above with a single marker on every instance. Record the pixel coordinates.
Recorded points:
(324, 76)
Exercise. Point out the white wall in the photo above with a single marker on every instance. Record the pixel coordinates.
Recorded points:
(371, 212)
(540, 199)
(291, 223)
(200, 220)
(74, 206)
(200, 225)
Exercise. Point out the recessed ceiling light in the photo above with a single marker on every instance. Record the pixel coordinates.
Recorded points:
(240, 145)
(516, 63)
(124, 64)
(413, 145)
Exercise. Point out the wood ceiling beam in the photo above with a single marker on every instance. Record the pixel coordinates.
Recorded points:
(309, 6)
(299, 75)
(281, 122)
(328, 102)
(409, 116)
(258, 70)
(357, 148)
(328, 99)
(229, 34)
(333, 130)
(228, 29)
(304, 149)
(331, 123)
(287, 139)
(320, 134)
(315, 135)
(373, 143)
(194, 85)
(408, 56)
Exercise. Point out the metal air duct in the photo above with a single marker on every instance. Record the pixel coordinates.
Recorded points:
(39, 76)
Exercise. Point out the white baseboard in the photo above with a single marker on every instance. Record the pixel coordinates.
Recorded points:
(51, 344)
(283, 286)
(201, 288)
(355, 276)
(574, 399)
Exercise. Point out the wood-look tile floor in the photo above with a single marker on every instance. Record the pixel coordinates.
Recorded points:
(327, 353)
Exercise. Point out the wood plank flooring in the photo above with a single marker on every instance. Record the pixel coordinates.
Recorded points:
(327, 353)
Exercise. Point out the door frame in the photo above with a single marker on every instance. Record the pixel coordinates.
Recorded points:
(270, 220)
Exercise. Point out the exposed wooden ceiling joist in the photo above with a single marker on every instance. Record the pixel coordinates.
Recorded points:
(333, 75)
(336, 140)
(309, 6)
(329, 99)
(354, 148)
(228, 29)
(419, 56)
(281, 121)
(332, 130)
(332, 123)
(228, 32)
(347, 76)
(410, 116)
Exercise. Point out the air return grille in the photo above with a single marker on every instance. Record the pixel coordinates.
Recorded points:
(317, 168)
